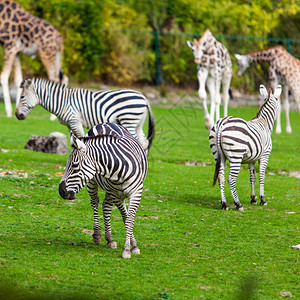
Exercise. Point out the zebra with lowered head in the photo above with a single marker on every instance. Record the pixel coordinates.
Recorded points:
(109, 158)
(78, 108)
(242, 142)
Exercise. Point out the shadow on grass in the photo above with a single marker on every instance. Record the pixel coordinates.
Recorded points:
(9, 290)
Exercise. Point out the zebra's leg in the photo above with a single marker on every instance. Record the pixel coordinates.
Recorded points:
(286, 106)
(133, 203)
(92, 188)
(122, 208)
(221, 180)
(107, 208)
(77, 128)
(262, 169)
(136, 128)
(233, 173)
(202, 77)
(252, 181)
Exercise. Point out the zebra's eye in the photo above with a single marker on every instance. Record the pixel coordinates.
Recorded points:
(204, 44)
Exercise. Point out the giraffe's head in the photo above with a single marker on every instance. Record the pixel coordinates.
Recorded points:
(79, 170)
(201, 46)
(28, 99)
(243, 63)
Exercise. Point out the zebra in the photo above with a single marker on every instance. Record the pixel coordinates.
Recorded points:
(109, 157)
(244, 142)
(78, 107)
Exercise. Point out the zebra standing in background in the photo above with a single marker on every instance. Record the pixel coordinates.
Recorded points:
(78, 108)
(244, 142)
(109, 157)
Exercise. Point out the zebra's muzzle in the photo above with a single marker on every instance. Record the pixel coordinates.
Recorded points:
(69, 195)
(19, 116)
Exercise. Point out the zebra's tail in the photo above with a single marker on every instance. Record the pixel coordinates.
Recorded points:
(217, 169)
(219, 154)
(151, 127)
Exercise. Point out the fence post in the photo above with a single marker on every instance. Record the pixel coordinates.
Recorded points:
(289, 45)
(158, 75)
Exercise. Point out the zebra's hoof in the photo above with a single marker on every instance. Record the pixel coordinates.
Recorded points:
(126, 254)
(263, 203)
(253, 201)
(241, 208)
(112, 245)
(97, 238)
(224, 206)
(135, 250)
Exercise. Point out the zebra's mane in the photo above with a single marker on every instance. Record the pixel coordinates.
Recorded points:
(265, 103)
(99, 135)
(47, 82)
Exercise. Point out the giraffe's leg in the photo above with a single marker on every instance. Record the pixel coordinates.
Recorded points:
(252, 182)
(133, 203)
(122, 208)
(286, 106)
(92, 188)
(4, 78)
(225, 91)
(18, 77)
(233, 173)
(262, 170)
(274, 82)
(212, 92)
(217, 93)
(52, 71)
(221, 180)
(202, 77)
(107, 208)
(278, 119)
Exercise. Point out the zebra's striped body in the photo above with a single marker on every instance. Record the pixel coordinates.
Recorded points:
(78, 108)
(109, 158)
(242, 142)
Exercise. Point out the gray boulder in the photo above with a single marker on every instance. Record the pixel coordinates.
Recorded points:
(55, 142)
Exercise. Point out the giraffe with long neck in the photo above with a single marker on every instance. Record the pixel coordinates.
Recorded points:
(21, 32)
(284, 69)
(214, 70)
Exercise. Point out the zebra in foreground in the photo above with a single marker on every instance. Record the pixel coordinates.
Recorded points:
(108, 157)
(78, 108)
(243, 142)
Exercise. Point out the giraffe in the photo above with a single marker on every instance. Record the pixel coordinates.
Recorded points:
(284, 68)
(214, 68)
(21, 32)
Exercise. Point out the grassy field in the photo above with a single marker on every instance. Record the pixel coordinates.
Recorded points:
(190, 248)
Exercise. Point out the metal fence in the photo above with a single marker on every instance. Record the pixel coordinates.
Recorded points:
(289, 43)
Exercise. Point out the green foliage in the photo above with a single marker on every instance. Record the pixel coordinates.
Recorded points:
(190, 248)
(112, 41)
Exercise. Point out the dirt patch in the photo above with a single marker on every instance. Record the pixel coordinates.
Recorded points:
(295, 174)
(194, 163)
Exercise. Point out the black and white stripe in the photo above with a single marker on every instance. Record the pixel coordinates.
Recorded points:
(78, 108)
(242, 142)
(109, 158)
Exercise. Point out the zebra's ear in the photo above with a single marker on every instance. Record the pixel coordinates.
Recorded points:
(277, 91)
(25, 83)
(263, 91)
(238, 56)
(77, 143)
(190, 44)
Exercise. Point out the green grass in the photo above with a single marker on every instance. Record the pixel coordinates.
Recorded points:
(190, 248)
